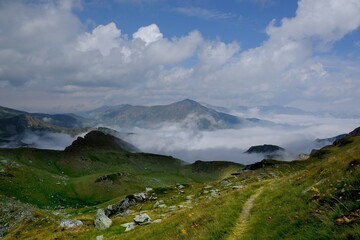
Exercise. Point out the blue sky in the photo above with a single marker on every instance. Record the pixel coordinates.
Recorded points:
(74, 55)
(230, 20)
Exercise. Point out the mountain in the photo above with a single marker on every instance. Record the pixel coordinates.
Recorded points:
(60, 120)
(99, 140)
(266, 148)
(9, 112)
(273, 109)
(186, 113)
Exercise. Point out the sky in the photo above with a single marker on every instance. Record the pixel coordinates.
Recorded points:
(76, 55)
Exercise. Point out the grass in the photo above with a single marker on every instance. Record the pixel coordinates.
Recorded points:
(313, 199)
(292, 209)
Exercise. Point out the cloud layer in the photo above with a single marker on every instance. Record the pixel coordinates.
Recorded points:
(49, 61)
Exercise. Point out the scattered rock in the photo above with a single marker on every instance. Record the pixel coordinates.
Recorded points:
(157, 220)
(101, 221)
(237, 187)
(207, 187)
(69, 223)
(128, 226)
(148, 189)
(180, 186)
(142, 219)
(214, 193)
(100, 237)
(172, 208)
(225, 182)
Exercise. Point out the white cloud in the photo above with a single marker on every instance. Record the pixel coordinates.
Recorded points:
(149, 34)
(325, 20)
(102, 38)
(46, 52)
(295, 133)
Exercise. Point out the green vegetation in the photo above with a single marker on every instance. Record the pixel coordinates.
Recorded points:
(318, 198)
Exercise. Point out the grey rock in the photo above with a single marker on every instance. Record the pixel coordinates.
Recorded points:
(128, 226)
(100, 237)
(69, 223)
(172, 208)
(101, 221)
(125, 204)
(142, 219)
(237, 187)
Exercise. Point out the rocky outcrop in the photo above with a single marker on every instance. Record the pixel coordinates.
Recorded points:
(122, 206)
(111, 177)
(142, 219)
(69, 223)
(102, 221)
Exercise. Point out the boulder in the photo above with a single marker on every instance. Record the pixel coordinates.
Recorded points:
(101, 221)
(128, 226)
(125, 204)
(142, 219)
(68, 223)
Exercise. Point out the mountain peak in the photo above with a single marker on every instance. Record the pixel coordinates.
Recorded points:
(97, 139)
(188, 102)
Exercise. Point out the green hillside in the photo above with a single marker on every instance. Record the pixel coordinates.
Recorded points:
(318, 198)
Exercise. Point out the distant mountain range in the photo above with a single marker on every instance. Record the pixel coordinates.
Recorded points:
(15, 124)
(186, 113)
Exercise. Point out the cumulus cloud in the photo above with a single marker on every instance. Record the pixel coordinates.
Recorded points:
(102, 38)
(148, 34)
(47, 52)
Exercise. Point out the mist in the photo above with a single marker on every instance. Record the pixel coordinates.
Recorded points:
(41, 140)
(295, 133)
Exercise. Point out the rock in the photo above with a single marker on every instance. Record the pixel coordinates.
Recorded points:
(214, 193)
(126, 213)
(101, 221)
(189, 197)
(157, 220)
(148, 189)
(172, 208)
(68, 223)
(180, 186)
(162, 206)
(122, 206)
(140, 197)
(207, 187)
(100, 237)
(142, 219)
(225, 182)
(237, 187)
(128, 226)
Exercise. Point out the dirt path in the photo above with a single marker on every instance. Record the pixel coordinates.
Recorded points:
(241, 225)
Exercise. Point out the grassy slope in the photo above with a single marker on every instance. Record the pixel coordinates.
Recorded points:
(291, 209)
(287, 208)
